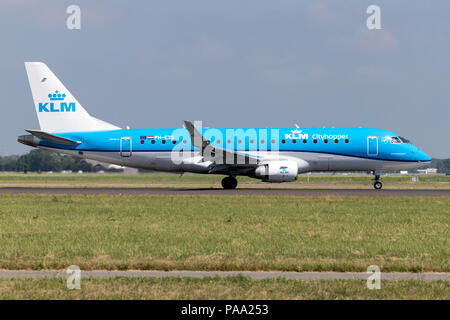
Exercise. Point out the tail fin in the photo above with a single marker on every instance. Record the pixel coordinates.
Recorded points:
(56, 108)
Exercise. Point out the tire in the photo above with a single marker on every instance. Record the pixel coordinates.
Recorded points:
(229, 183)
(377, 185)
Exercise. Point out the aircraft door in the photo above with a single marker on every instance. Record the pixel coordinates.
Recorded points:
(372, 145)
(125, 147)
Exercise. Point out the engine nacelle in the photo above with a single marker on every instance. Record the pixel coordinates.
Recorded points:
(277, 171)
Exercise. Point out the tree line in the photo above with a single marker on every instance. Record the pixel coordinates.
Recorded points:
(442, 165)
(43, 160)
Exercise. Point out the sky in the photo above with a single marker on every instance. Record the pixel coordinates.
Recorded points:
(235, 63)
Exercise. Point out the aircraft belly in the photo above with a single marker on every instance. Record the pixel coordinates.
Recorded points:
(327, 162)
(161, 161)
(342, 163)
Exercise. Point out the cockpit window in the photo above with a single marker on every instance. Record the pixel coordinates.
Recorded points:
(399, 140)
(395, 140)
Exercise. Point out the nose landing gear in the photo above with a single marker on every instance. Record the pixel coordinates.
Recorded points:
(229, 182)
(377, 183)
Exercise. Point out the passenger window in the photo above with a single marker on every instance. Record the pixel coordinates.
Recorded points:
(174, 141)
(252, 141)
(218, 141)
(336, 141)
(184, 142)
(239, 141)
(304, 140)
(262, 141)
(228, 141)
(314, 141)
(273, 141)
(283, 141)
(294, 141)
(153, 141)
(325, 141)
(163, 141)
(142, 141)
(346, 141)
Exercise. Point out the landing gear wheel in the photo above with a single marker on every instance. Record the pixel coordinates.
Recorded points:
(377, 185)
(229, 183)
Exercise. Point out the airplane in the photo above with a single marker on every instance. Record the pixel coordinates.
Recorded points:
(268, 154)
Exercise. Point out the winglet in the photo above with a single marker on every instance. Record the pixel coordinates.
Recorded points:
(196, 137)
(217, 154)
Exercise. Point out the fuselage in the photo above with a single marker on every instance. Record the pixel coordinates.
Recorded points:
(268, 154)
(314, 149)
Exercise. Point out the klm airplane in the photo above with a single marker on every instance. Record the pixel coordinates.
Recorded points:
(268, 154)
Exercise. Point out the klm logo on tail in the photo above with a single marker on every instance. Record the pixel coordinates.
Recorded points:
(55, 107)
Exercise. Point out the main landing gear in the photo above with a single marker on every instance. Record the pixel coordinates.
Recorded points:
(229, 182)
(377, 183)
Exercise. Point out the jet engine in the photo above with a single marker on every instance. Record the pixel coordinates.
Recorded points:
(277, 171)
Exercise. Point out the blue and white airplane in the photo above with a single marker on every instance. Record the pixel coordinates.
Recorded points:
(268, 154)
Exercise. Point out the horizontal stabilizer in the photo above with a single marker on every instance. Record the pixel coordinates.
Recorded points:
(53, 138)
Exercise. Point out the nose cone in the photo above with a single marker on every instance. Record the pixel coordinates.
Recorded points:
(29, 140)
(422, 156)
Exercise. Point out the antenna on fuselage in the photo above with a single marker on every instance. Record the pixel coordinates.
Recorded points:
(296, 125)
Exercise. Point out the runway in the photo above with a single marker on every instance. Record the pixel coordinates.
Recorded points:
(254, 275)
(221, 192)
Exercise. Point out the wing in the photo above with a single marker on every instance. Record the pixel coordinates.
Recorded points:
(224, 161)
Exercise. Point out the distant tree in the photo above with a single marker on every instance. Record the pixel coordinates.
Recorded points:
(43, 160)
(442, 165)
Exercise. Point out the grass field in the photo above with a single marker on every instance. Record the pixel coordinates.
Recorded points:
(215, 288)
(224, 233)
(136, 180)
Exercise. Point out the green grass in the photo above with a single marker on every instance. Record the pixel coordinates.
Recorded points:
(207, 179)
(216, 288)
(224, 233)
(108, 178)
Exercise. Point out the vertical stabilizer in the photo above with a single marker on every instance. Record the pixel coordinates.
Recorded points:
(56, 108)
